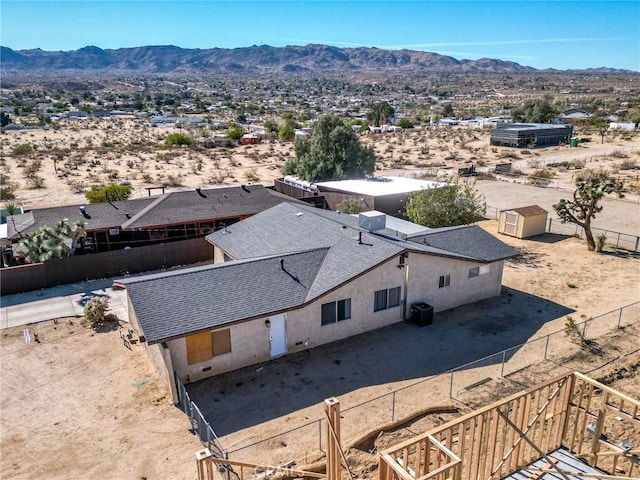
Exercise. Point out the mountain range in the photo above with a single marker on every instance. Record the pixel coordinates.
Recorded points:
(254, 60)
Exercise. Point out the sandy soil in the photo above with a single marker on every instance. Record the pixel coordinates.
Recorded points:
(76, 403)
(81, 153)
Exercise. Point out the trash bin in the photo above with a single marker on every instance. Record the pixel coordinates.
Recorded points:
(421, 314)
(574, 142)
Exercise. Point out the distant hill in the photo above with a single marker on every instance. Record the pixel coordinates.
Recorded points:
(247, 60)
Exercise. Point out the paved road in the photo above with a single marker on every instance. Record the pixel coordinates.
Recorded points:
(58, 302)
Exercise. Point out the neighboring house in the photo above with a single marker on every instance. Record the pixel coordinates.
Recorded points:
(530, 135)
(145, 221)
(293, 277)
(385, 194)
(250, 139)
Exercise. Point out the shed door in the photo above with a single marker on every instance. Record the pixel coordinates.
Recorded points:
(277, 335)
(510, 223)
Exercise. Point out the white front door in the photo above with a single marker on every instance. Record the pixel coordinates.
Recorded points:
(277, 336)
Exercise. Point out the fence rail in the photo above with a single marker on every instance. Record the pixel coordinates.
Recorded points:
(199, 424)
(300, 443)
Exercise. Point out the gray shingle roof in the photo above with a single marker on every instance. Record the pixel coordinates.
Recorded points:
(174, 304)
(223, 202)
(467, 241)
(288, 228)
(100, 216)
(167, 209)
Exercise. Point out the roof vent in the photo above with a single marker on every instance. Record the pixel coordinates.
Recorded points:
(372, 221)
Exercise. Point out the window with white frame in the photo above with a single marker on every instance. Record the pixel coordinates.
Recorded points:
(444, 281)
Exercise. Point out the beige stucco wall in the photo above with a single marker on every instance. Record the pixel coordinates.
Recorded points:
(159, 356)
(250, 340)
(424, 276)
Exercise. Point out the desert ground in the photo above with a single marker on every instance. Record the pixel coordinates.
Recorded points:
(88, 406)
(76, 403)
(67, 160)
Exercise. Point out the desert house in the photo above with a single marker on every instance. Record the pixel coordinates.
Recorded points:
(294, 277)
(523, 222)
(530, 135)
(146, 221)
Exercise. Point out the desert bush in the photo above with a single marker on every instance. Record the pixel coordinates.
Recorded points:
(251, 175)
(22, 149)
(7, 187)
(172, 181)
(628, 164)
(619, 154)
(77, 186)
(96, 309)
(541, 177)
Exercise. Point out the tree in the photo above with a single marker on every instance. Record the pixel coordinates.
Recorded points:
(538, 110)
(352, 205)
(591, 187)
(108, 193)
(4, 119)
(235, 132)
(271, 126)
(380, 113)
(57, 242)
(456, 204)
(287, 132)
(334, 152)
(404, 123)
(447, 110)
(178, 139)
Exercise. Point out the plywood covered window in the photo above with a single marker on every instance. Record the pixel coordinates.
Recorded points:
(199, 348)
(221, 340)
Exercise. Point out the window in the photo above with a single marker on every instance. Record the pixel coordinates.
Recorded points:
(199, 348)
(380, 300)
(344, 309)
(384, 299)
(333, 312)
(394, 297)
(476, 271)
(445, 281)
(221, 340)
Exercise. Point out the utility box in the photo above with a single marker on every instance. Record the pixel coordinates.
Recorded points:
(372, 221)
(421, 314)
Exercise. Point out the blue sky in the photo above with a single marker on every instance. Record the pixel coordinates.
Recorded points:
(542, 34)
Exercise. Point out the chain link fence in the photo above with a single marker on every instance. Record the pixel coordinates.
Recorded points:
(305, 444)
(199, 424)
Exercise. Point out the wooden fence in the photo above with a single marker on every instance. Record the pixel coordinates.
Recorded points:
(26, 278)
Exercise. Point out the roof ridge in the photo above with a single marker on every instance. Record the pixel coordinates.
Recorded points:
(214, 266)
(146, 210)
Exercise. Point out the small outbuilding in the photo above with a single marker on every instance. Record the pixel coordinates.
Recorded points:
(523, 222)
